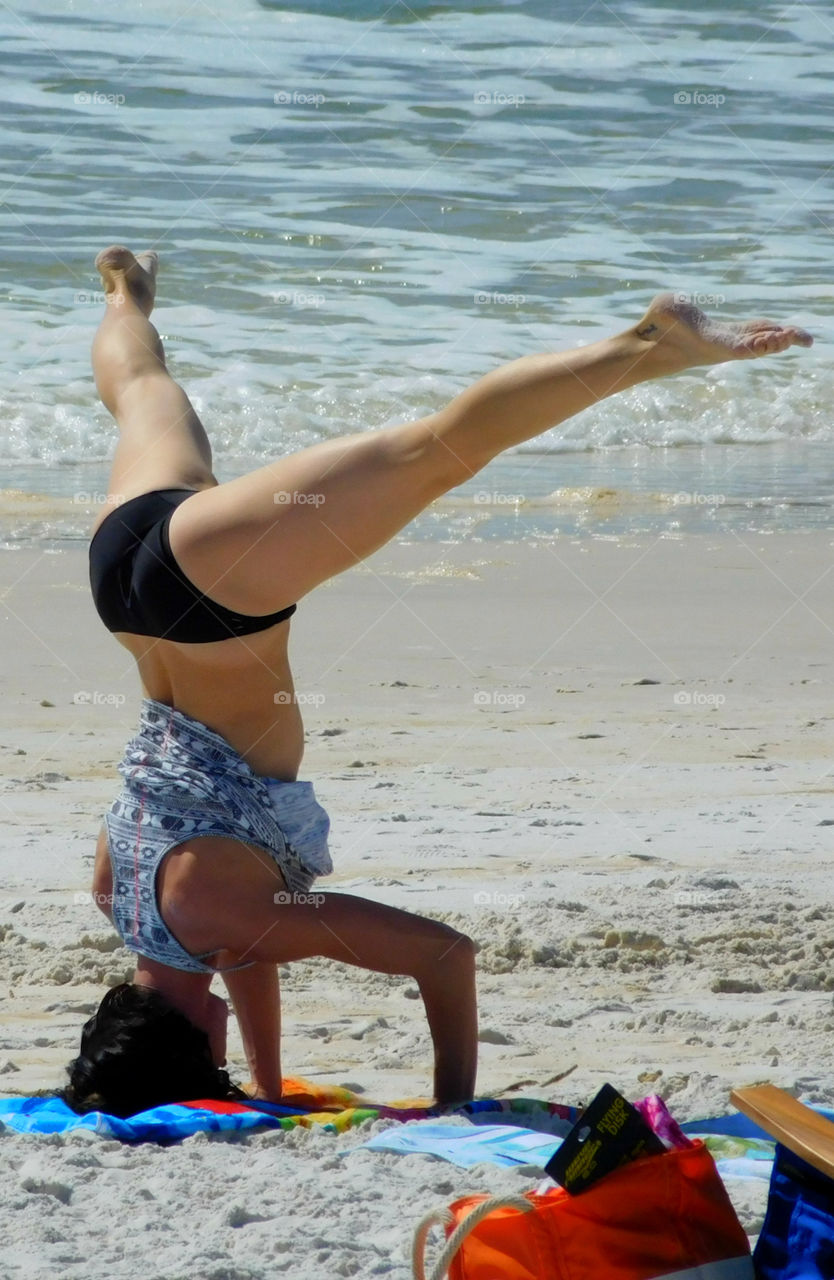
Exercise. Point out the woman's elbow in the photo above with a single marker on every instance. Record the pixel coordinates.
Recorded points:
(453, 952)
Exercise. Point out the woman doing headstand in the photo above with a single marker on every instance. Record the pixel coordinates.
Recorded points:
(208, 854)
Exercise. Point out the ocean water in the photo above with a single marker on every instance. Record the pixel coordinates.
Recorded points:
(362, 205)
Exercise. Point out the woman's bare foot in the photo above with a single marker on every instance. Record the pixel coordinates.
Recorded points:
(682, 336)
(127, 276)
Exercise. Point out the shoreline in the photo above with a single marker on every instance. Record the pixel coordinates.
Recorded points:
(542, 492)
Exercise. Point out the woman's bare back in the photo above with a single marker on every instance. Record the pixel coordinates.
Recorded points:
(241, 688)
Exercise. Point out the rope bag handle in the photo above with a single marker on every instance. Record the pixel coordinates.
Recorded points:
(443, 1217)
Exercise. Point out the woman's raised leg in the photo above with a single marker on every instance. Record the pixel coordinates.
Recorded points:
(162, 443)
(258, 543)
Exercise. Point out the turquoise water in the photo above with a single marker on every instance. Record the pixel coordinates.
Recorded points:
(362, 206)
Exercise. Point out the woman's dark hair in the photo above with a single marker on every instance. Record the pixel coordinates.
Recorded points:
(137, 1052)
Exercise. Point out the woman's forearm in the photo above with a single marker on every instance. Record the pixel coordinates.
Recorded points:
(448, 991)
(357, 931)
(256, 997)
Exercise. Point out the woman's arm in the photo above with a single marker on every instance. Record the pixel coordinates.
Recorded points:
(256, 998)
(372, 936)
(103, 876)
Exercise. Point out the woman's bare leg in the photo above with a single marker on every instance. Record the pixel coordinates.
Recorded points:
(261, 542)
(162, 443)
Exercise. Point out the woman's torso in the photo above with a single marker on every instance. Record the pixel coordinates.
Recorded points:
(242, 688)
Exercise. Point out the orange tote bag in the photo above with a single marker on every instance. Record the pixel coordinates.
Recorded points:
(662, 1217)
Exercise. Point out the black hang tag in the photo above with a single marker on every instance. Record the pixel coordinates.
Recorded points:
(610, 1132)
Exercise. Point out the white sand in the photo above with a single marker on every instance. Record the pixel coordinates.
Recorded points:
(641, 862)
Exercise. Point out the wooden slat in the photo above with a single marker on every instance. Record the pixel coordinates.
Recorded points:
(808, 1135)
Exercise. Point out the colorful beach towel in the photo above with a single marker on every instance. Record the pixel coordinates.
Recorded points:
(508, 1131)
(334, 1108)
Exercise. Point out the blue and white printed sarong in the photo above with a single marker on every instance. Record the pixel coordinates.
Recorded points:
(181, 780)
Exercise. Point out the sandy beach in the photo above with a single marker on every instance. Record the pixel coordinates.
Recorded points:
(579, 709)
(609, 761)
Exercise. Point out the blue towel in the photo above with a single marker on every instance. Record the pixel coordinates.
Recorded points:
(160, 1124)
(736, 1126)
